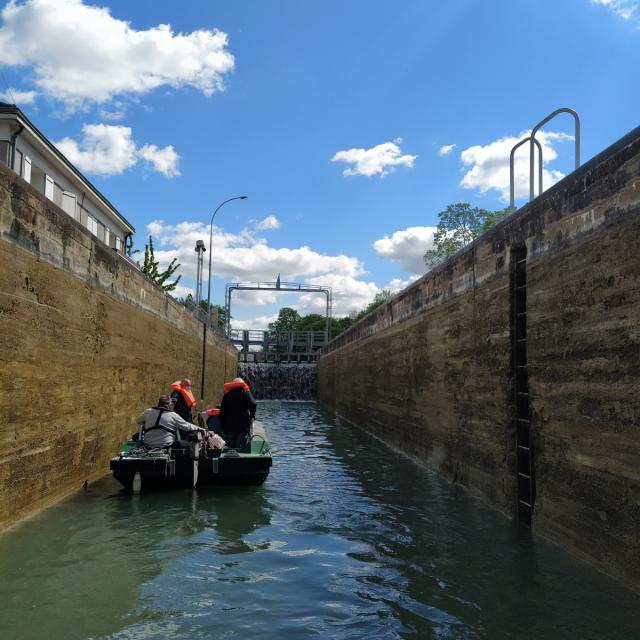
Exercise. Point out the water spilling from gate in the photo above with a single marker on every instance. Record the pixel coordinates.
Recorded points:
(269, 381)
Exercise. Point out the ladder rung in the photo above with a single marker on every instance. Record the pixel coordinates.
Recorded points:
(524, 475)
(525, 503)
(523, 393)
(521, 446)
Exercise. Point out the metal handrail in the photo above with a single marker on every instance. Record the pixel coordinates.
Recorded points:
(535, 129)
(512, 187)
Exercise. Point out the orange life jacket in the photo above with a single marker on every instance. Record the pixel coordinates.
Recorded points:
(213, 412)
(187, 394)
(228, 386)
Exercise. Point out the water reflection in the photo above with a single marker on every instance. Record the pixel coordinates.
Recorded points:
(346, 540)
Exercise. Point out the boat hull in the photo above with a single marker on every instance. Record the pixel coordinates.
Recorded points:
(195, 466)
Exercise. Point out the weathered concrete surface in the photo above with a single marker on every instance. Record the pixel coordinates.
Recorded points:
(430, 372)
(86, 342)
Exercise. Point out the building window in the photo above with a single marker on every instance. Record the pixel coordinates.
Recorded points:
(100, 232)
(26, 173)
(58, 192)
(92, 225)
(4, 151)
(118, 245)
(17, 162)
(107, 236)
(68, 202)
(48, 187)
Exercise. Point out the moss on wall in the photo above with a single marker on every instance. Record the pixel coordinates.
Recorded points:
(431, 371)
(86, 343)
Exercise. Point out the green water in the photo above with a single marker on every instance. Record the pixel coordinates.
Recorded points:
(346, 539)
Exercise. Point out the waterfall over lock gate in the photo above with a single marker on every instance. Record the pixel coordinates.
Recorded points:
(269, 381)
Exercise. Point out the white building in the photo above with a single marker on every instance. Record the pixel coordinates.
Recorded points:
(32, 156)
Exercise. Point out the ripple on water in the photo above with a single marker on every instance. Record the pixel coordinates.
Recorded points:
(346, 540)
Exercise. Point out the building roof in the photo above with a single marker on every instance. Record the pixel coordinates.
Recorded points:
(15, 113)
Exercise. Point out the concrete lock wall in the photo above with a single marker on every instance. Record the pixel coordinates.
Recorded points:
(431, 372)
(86, 343)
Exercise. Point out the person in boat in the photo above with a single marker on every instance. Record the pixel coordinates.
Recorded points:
(161, 425)
(213, 420)
(237, 412)
(184, 401)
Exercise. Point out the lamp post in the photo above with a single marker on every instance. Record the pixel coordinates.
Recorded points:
(210, 314)
(199, 250)
(210, 248)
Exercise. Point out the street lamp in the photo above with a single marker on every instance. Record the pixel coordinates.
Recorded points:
(204, 327)
(199, 250)
(210, 250)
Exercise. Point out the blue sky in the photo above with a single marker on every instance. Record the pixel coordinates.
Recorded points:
(337, 118)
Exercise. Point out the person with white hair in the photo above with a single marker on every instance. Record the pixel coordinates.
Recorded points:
(237, 412)
(161, 425)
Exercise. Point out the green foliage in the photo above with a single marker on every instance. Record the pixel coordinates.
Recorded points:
(150, 269)
(286, 321)
(290, 320)
(317, 322)
(380, 299)
(458, 225)
(128, 246)
(190, 303)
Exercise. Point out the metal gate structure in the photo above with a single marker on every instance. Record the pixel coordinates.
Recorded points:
(278, 286)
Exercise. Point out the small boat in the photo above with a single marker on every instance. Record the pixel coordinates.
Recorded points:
(192, 464)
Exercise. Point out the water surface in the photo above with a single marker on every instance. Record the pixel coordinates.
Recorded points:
(345, 540)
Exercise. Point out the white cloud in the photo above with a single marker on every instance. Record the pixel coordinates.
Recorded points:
(407, 247)
(625, 9)
(15, 96)
(164, 161)
(488, 165)
(446, 149)
(107, 149)
(378, 160)
(103, 150)
(397, 284)
(349, 295)
(244, 256)
(81, 54)
(259, 323)
(270, 222)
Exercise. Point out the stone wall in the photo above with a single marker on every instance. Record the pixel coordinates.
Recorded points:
(86, 343)
(431, 371)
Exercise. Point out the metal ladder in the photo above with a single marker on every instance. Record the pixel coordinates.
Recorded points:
(524, 458)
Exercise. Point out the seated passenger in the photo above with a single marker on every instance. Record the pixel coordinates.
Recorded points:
(213, 420)
(184, 402)
(237, 412)
(161, 426)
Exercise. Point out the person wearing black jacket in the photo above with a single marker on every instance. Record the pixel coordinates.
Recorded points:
(183, 399)
(237, 412)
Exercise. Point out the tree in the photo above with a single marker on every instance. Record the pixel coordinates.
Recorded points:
(128, 246)
(458, 225)
(380, 299)
(150, 269)
(286, 321)
(190, 303)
